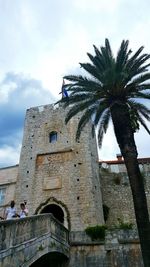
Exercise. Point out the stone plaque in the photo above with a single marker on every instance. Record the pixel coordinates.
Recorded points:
(53, 158)
(52, 183)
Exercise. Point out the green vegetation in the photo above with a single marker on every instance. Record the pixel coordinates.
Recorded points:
(41, 247)
(96, 232)
(124, 225)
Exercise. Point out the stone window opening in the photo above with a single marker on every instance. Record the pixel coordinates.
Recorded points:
(53, 137)
(2, 195)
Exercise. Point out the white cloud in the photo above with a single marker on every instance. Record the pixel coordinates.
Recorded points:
(97, 6)
(47, 39)
(9, 155)
(109, 147)
(5, 90)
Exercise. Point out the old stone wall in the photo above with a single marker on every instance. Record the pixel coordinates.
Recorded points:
(66, 170)
(23, 241)
(115, 186)
(8, 177)
(66, 173)
(116, 194)
(120, 249)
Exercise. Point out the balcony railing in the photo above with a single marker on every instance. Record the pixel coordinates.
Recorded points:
(17, 231)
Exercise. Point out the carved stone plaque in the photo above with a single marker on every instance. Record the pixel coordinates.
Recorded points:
(52, 183)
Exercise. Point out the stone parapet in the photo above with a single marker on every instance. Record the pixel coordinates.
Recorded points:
(119, 249)
(23, 241)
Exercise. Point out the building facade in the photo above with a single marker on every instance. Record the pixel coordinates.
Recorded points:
(59, 175)
(63, 176)
(116, 191)
(56, 173)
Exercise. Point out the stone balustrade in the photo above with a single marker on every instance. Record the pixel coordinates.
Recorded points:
(20, 234)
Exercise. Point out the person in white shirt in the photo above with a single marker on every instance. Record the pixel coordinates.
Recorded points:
(10, 212)
(22, 213)
(26, 208)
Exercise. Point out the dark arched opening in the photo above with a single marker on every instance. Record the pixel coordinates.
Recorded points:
(52, 259)
(55, 210)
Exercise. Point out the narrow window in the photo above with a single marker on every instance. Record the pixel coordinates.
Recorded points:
(2, 195)
(53, 137)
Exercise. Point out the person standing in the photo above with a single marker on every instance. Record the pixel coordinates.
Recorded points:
(10, 212)
(22, 213)
(26, 208)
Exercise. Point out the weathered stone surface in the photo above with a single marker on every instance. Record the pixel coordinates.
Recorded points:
(120, 249)
(116, 193)
(66, 170)
(23, 241)
(8, 177)
(66, 173)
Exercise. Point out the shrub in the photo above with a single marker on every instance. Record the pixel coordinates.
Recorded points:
(124, 225)
(96, 232)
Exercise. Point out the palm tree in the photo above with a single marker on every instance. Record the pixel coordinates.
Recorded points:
(111, 91)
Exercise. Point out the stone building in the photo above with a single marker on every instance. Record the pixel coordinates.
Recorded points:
(8, 178)
(116, 191)
(59, 175)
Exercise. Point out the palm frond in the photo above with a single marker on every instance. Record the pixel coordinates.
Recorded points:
(142, 122)
(92, 70)
(144, 86)
(132, 59)
(100, 109)
(137, 67)
(141, 79)
(139, 108)
(102, 127)
(133, 87)
(87, 88)
(142, 95)
(99, 64)
(81, 98)
(77, 108)
(108, 48)
(74, 78)
(107, 54)
(84, 120)
(122, 55)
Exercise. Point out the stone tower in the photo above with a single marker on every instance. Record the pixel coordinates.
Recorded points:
(56, 173)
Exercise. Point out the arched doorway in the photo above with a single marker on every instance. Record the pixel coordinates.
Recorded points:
(55, 210)
(52, 259)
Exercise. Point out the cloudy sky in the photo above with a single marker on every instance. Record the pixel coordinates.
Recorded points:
(42, 40)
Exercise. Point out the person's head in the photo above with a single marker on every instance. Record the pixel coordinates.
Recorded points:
(12, 203)
(22, 206)
(25, 202)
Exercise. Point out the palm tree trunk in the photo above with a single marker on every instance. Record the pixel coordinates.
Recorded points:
(125, 138)
(140, 206)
